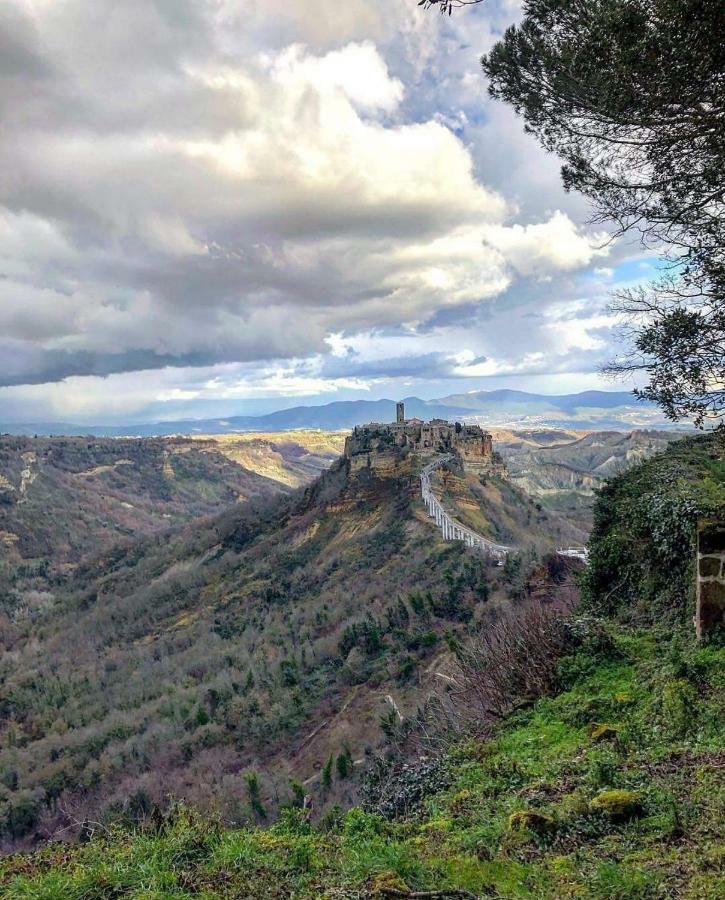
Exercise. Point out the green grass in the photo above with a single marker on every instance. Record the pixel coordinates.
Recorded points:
(662, 699)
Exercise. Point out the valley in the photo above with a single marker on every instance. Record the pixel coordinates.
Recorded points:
(362, 450)
(348, 705)
(563, 468)
(270, 638)
(62, 500)
(254, 606)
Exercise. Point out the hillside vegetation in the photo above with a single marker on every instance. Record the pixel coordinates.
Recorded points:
(611, 790)
(65, 499)
(267, 638)
(643, 542)
(599, 776)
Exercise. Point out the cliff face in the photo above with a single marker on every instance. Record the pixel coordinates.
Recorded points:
(385, 462)
(477, 454)
(383, 447)
(370, 449)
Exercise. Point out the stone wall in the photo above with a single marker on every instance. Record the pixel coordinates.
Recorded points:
(710, 610)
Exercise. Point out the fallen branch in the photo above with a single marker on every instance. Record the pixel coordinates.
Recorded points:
(445, 894)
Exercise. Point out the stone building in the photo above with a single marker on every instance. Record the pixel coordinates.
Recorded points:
(369, 444)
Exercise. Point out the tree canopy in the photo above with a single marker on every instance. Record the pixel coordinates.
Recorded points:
(631, 95)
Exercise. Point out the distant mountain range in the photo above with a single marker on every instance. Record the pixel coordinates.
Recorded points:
(617, 410)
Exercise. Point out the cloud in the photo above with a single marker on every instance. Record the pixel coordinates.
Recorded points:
(309, 213)
(546, 247)
(201, 184)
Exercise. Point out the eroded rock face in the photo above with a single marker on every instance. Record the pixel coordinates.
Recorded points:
(376, 445)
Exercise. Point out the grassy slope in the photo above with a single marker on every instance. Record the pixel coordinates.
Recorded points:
(662, 698)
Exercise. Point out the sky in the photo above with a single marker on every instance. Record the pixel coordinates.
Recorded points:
(211, 207)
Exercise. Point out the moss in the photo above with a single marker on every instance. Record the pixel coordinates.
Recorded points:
(531, 820)
(618, 804)
(387, 881)
(602, 732)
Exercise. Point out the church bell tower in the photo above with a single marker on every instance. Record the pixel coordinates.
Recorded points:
(400, 412)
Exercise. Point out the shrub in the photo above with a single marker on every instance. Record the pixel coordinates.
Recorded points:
(514, 660)
(254, 794)
(327, 773)
(396, 789)
(343, 764)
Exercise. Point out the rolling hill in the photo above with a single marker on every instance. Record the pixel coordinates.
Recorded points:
(63, 499)
(264, 640)
(587, 410)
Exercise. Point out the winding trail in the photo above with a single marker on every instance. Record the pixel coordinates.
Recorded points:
(452, 529)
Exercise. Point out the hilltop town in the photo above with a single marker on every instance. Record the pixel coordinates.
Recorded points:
(377, 444)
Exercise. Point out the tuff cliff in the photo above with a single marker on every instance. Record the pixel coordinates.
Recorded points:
(382, 446)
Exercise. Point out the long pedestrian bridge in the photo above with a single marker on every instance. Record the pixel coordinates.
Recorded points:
(452, 529)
